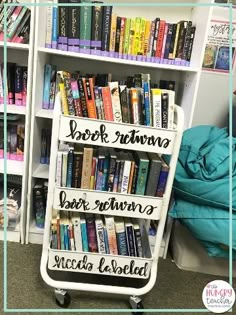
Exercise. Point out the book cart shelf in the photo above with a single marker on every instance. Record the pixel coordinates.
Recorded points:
(186, 78)
(21, 54)
(146, 208)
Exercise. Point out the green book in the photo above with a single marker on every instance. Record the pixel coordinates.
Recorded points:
(143, 165)
(126, 37)
(85, 27)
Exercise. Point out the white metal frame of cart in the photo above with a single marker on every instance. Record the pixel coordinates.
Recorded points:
(23, 55)
(156, 208)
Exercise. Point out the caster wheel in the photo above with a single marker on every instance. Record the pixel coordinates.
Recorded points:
(139, 307)
(63, 300)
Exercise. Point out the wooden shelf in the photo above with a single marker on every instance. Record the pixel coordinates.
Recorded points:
(116, 60)
(13, 167)
(13, 109)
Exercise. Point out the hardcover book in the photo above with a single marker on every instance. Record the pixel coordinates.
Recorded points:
(121, 236)
(153, 174)
(106, 29)
(96, 32)
(85, 27)
(74, 26)
(63, 12)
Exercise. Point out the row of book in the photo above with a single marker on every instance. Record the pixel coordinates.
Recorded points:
(98, 234)
(40, 191)
(134, 102)
(17, 20)
(99, 30)
(112, 170)
(16, 84)
(15, 140)
(45, 146)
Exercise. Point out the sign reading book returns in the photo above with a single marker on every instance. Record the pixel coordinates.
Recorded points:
(110, 134)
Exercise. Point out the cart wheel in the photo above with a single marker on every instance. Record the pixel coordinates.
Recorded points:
(63, 298)
(136, 303)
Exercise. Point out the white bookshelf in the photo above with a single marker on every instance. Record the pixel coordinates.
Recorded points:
(186, 78)
(21, 54)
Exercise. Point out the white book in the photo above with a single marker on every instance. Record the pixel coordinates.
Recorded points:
(126, 174)
(111, 235)
(59, 169)
(115, 99)
(156, 106)
(77, 232)
(49, 23)
(100, 234)
(64, 168)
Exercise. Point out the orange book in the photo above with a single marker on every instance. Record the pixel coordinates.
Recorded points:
(107, 103)
(122, 35)
(160, 38)
(89, 96)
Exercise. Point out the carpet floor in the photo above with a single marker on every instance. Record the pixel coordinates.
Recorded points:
(174, 288)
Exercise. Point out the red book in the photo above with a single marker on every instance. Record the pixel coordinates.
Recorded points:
(160, 37)
(107, 103)
(89, 96)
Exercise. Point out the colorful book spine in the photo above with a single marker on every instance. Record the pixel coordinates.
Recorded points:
(164, 109)
(121, 236)
(52, 87)
(116, 176)
(168, 42)
(129, 229)
(76, 98)
(118, 36)
(54, 25)
(96, 32)
(147, 103)
(46, 86)
(77, 169)
(82, 97)
(193, 30)
(99, 102)
(63, 96)
(59, 169)
(126, 38)
(134, 98)
(13, 29)
(89, 96)
(91, 231)
(131, 39)
(100, 169)
(105, 172)
(112, 169)
(84, 233)
(147, 37)
(122, 36)
(63, 12)
(153, 174)
(162, 180)
(154, 43)
(180, 43)
(164, 42)
(77, 233)
(18, 85)
(85, 27)
(143, 164)
(93, 173)
(138, 239)
(187, 40)
(160, 38)
(69, 168)
(64, 168)
(125, 177)
(124, 102)
(115, 100)
(112, 35)
(111, 233)
(137, 38)
(107, 103)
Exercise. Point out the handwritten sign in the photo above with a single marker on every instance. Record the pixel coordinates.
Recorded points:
(99, 264)
(216, 56)
(110, 134)
(107, 203)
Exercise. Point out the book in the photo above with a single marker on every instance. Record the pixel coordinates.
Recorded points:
(107, 103)
(85, 27)
(143, 165)
(89, 96)
(59, 169)
(112, 35)
(112, 169)
(164, 109)
(162, 179)
(137, 238)
(99, 225)
(91, 232)
(77, 232)
(121, 236)
(106, 29)
(74, 26)
(84, 235)
(77, 168)
(46, 85)
(115, 100)
(86, 168)
(96, 31)
(111, 234)
(49, 12)
(125, 104)
(64, 168)
(63, 22)
(129, 231)
(153, 174)
(70, 170)
(156, 105)
(18, 85)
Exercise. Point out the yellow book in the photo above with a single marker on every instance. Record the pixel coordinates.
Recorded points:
(176, 40)
(113, 33)
(131, 37)
(126, 36)
(147, 37)
(142, 36)
(122, 35)
(137, 30)
(64, 102)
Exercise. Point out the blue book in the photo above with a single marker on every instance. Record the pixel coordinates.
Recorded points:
(62, 236)
(162, 180)
(85, 244)
(100, 170)
(106, 241)
(66, 238)
(69, 168)
(147, 103)
(105, 172)
(54, 27)
(121, 237)
(47, 86)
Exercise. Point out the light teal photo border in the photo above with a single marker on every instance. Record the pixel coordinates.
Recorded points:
(7, 310)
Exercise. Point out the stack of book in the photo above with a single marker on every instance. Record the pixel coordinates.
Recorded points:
(131, 101)
(98, 234)
(16, 84)
(112, 170)
(18, 23)
(45, 146)
(99, 30)
(15, 140)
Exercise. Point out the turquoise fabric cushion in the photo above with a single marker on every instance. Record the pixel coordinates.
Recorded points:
(208, 224)
(202, 172)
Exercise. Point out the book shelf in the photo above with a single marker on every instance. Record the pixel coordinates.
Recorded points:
(186, 78)
(21, 54)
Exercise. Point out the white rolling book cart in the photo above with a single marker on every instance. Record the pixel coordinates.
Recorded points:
(70, 129)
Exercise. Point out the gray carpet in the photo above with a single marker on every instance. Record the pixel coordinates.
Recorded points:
(174, 289)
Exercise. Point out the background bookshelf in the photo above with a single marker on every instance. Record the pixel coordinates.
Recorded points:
(21, 54)
(186, 78)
